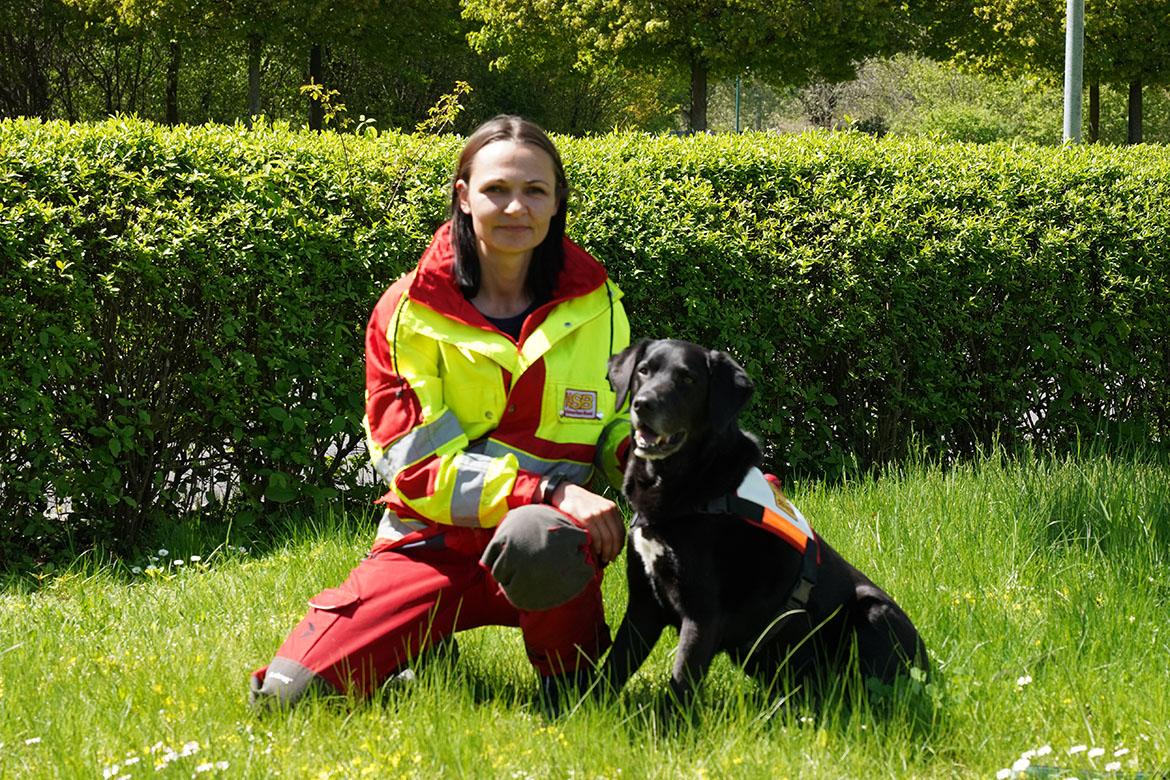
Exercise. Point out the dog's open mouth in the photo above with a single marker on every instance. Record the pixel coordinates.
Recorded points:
(649, 443)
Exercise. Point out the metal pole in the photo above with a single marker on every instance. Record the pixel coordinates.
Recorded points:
(1074, 60)
(737, 104)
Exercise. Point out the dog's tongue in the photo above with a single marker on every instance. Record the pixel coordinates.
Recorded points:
(647, 437)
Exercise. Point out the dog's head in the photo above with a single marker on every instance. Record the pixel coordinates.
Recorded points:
(678, 392)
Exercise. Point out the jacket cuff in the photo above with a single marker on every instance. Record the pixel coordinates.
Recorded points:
(527, 488)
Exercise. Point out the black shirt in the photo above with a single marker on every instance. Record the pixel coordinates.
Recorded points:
(512, 325)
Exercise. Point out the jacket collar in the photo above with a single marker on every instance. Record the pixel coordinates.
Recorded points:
(434, 283)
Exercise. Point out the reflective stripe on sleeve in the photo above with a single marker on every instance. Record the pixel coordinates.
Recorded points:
(419, 443)
(467, 495)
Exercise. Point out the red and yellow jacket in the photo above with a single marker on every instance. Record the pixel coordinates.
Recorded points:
(463, 422)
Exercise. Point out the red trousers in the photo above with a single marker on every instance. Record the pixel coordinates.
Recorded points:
(408, 594)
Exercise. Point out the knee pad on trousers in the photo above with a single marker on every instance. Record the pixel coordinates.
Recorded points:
(285, 682)
(539, 557)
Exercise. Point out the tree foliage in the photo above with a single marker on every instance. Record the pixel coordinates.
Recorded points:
(1127, 42)
(783, 41)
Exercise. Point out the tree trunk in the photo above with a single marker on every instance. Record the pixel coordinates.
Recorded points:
(1094, 112)
(316, 73)
(253, 77)
(173, 84)
(698, 114)
(1135, 111)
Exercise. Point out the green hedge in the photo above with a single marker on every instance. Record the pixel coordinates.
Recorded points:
(183, 308)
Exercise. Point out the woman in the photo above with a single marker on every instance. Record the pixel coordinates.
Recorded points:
(489, 416)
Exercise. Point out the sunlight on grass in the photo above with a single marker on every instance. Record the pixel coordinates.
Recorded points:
(1039, 586)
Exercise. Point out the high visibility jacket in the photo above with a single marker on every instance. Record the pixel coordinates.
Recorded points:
(462, 422)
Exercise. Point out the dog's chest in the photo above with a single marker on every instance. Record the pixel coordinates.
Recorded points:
(652, 552)
(662, 567)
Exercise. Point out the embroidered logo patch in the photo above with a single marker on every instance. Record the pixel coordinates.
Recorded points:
(580, 404)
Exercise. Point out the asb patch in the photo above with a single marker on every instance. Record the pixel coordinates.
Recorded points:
(580, 404)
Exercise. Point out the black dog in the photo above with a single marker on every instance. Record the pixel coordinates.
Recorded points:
(719, 553)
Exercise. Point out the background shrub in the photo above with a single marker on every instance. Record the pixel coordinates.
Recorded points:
(185, 306)
(185, 311)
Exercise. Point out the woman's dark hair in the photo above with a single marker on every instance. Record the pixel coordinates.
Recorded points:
(548, 258)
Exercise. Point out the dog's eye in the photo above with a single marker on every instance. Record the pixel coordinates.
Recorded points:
(687, 379)
(643, 370)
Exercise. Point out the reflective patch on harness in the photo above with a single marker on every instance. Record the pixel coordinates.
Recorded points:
(779, 515)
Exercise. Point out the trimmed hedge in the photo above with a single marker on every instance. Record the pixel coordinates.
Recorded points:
(893, 294)
(184, 307)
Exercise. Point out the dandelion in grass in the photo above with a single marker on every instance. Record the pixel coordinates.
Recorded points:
(136, 570)
(163, 553)
(1022, 681)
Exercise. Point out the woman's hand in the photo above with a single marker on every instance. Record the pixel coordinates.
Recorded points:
(597, 514)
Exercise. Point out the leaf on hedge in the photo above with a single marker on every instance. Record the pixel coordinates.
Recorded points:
(280, 490)
(280, 495)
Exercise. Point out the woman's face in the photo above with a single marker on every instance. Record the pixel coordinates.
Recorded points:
(511, 198)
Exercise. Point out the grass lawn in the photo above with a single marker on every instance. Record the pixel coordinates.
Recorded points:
(1039, 586)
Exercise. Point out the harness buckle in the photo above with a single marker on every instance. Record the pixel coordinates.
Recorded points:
(718, 506)
(801, 593)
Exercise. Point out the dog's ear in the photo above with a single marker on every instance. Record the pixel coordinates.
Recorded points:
(621, 370)
(729, 391)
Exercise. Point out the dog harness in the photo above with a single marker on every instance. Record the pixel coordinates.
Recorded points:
(758, 500)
